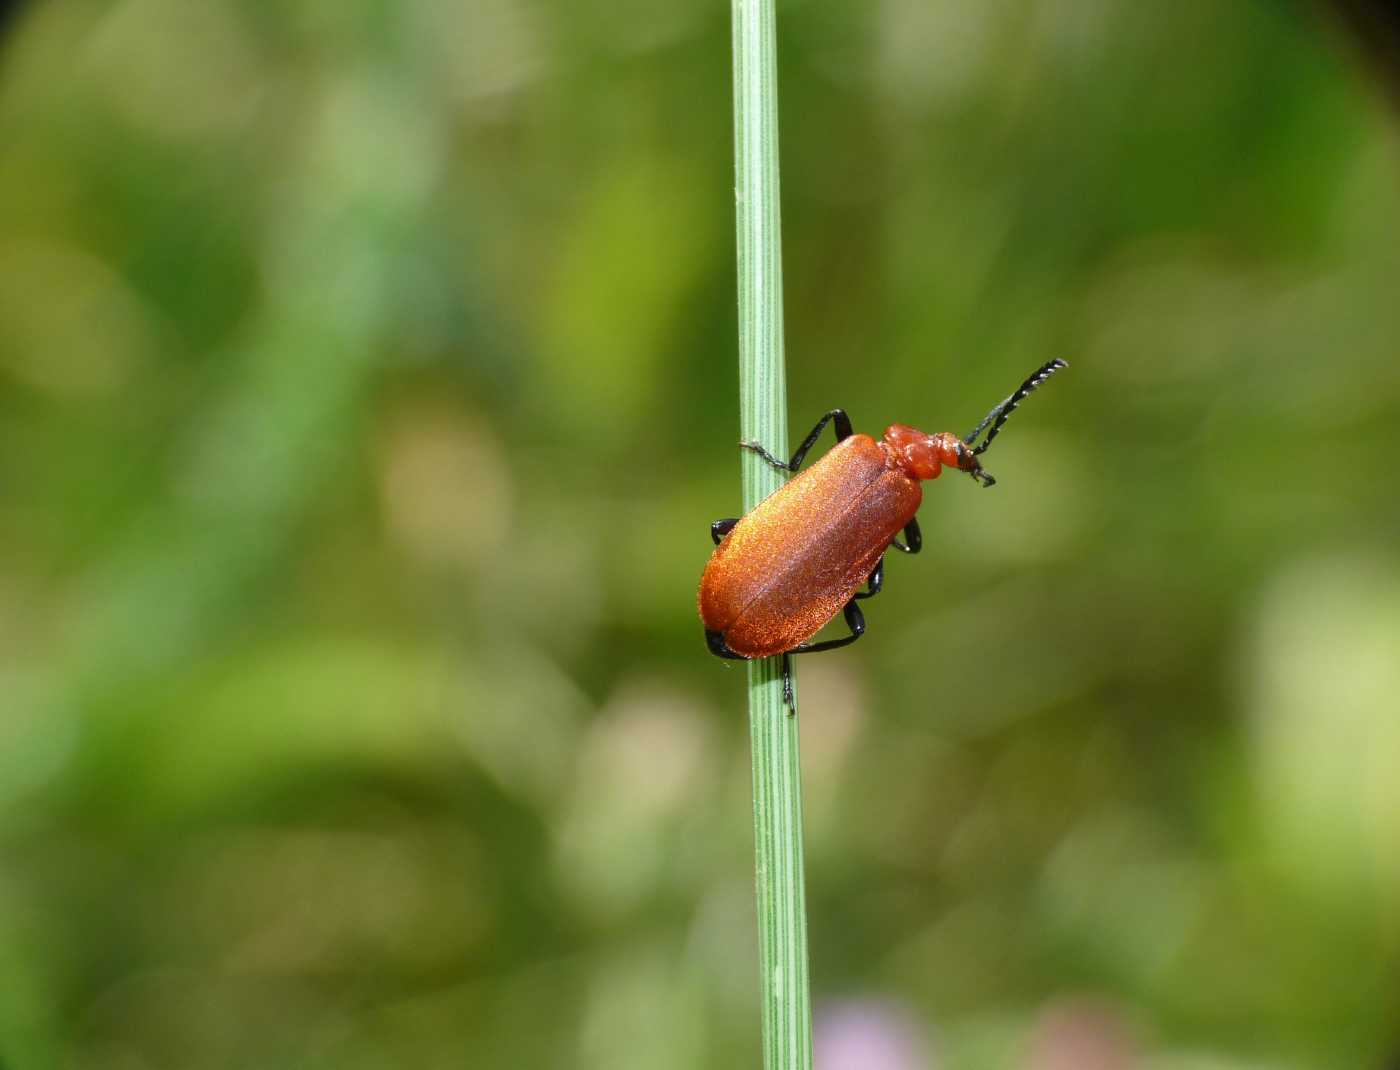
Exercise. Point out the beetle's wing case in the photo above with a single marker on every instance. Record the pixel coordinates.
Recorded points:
(791, 563)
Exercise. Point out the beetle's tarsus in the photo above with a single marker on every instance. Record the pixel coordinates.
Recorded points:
(782, 466)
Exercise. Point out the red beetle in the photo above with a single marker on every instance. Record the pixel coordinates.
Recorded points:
(785, 569)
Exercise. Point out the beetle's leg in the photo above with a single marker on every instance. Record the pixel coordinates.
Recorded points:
(913, 536)
(855, 620)
(841, 424)
(719, 648)
(720, 528)
(877, 580)
(843, 430)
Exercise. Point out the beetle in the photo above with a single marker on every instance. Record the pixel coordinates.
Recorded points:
(800, 556)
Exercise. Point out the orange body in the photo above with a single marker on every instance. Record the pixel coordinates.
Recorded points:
(799, 556)
(803, 553)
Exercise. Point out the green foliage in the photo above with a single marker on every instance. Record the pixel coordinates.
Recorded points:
(366, 390)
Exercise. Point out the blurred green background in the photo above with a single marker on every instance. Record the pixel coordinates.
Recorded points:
(368, 384)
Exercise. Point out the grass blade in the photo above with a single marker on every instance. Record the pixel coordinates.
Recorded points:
(777, 784)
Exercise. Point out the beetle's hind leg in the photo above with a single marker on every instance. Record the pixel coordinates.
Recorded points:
(720, 649)
(855, 620)
(843, 427)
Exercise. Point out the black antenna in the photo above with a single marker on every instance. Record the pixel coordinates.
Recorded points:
(1007, 407)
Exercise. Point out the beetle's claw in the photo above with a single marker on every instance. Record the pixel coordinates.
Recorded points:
(981, 475)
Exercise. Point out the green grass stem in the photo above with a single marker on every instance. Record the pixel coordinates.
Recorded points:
(777, 781)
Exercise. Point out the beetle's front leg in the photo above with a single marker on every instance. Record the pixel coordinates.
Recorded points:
(720, 528)
(842, 424)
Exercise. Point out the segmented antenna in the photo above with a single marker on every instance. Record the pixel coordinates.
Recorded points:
(1007, 407)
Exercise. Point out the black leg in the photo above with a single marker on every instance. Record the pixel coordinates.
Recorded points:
(855, 620)
(719, 648)
(843, 430)
(877, 580)
(789, 700)
(913, 536)
(720, 528)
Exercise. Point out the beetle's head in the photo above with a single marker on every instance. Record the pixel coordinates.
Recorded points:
(924, 456)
